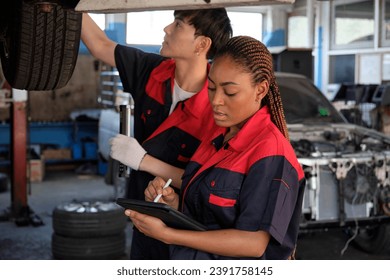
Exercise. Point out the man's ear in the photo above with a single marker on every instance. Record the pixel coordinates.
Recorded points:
(204, 44)
(261, 90)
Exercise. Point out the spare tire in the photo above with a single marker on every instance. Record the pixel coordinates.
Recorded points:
(98, 248)
(39, 43)
(89, 219)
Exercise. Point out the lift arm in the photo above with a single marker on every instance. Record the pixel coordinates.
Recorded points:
(105, 6)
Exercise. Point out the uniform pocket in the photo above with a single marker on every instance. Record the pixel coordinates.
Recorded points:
(182, 146)
(221, 190)
(152, 115)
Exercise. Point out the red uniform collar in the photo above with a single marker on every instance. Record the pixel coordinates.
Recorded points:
(197, 105)
(251, 130)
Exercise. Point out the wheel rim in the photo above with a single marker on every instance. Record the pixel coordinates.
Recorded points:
(88, 207)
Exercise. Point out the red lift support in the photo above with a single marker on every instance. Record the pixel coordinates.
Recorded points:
(19, 211)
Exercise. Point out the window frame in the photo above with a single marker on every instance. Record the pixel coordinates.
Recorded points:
(356, 45)
(384, 42)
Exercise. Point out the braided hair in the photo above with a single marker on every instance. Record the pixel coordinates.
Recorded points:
(254, 57)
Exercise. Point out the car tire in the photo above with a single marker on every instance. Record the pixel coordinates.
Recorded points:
(88, 230)
(39, 44)
(98, 248)
(89, 219)
(374, 239)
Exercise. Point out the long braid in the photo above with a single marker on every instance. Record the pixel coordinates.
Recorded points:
(256, 59)
(274, 101)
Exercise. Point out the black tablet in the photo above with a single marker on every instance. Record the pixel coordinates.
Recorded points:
(167, 214)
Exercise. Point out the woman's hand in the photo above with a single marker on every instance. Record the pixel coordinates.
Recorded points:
(148, 225)
(155, 188)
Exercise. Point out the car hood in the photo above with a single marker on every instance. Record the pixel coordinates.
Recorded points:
(337, 141)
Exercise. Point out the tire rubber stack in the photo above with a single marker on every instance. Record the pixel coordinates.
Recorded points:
(88, 231)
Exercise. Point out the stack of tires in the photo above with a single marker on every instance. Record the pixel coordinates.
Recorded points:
(89, 231)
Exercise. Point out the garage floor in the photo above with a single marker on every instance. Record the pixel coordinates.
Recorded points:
(34, 243)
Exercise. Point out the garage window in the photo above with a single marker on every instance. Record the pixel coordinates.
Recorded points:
(146, 28)
(297, 32)
(353, 24)
(247, 23)
(100, 20)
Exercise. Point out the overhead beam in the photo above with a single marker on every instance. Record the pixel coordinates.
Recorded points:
(120, 6)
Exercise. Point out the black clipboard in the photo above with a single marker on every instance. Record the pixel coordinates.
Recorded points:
(167, 214)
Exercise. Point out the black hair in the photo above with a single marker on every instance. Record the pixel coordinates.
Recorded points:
(212, 23)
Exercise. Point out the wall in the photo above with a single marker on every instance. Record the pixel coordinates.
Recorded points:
(80, 93)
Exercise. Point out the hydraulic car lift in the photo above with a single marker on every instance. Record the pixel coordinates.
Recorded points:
(19, 211)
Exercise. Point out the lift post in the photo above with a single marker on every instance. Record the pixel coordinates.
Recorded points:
(19, 211)
(19, 206)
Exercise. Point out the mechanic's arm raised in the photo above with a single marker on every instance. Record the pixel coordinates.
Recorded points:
(97, 42)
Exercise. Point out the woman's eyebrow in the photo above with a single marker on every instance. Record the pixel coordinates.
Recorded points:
(228, 83)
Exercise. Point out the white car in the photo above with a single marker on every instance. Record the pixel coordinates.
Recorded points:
(347, 166)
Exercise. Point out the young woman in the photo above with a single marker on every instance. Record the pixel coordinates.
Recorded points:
(244, 182)
(170, 95)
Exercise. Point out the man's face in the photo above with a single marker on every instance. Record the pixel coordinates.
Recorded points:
(179, 40)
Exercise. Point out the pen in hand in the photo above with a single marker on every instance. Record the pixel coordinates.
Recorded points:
(165, 186)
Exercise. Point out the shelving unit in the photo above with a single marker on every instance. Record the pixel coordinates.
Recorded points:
(80, 137)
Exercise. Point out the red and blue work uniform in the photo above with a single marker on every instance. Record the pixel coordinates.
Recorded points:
(252, 183)
(172, 138)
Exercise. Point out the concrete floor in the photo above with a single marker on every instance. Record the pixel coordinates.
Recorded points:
(34, 243)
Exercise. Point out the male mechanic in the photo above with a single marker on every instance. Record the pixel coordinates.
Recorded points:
(170, 95)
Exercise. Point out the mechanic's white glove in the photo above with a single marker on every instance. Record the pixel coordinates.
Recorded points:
(127, 150)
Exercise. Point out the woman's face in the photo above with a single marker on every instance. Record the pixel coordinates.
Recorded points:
(232, 95)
